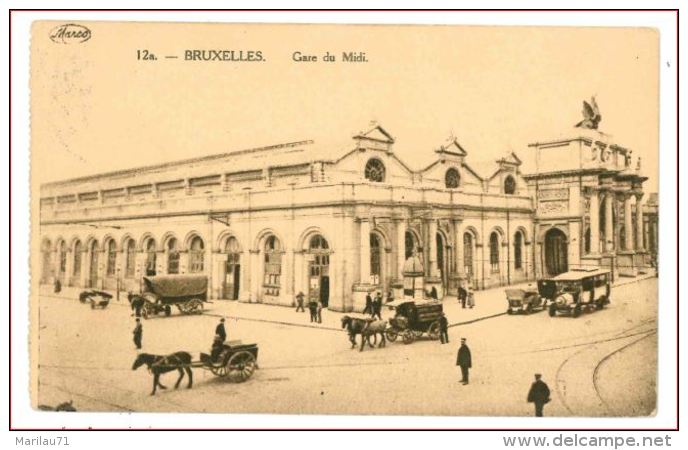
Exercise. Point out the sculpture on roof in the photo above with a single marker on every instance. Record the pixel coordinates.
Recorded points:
(591, 115)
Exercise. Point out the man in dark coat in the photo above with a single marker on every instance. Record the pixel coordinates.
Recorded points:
(369, 304)
(313, 308)
(136, 302)
(462, 296)
(444, 329)
(433, 293)
(138, 333)
(538, 394)
(377, 306)
(220, 330)
(299, 302)
(463, 360)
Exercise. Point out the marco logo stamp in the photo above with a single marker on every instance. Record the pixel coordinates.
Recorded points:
(70, 33)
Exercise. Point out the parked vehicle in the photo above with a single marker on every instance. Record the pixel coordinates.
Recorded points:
(577, 290)
(97, 299)
(187, 292)
(413, 319)
(523, 300)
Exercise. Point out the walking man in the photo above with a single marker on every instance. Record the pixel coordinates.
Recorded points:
(444, 329)
(136, 302)
(313, 308)
(462, 296)
(220, 330)
(463, 360)
(138, 334)
(318, 312)
(538, 394)
(369, 304)
(299, 302)
(377, 306)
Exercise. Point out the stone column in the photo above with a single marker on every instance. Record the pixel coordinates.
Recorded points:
(639, 222)
(401, 247)
(594, 222)
(458, 244)
(628, 222)
(364, 235)
(432, 246)
(608, 221)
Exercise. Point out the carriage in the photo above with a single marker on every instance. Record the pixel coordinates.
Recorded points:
(97, 299)
(187, 292)
(523, 300)
(413, 319)
(235, 361)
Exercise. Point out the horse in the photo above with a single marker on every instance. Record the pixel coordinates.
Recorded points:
(159, 364)
(366, 328)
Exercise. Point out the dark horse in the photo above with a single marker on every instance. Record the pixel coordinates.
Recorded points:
(159, 364)
(366, 328)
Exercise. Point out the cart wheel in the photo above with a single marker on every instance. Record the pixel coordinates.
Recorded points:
(241, 366)
(391, 335)
(601, 302)
(372, 339)
(408, 337)
(223, 369)
(168, 310)
(434, 330)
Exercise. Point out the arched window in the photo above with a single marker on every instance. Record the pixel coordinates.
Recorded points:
(468, 254)
(111, 258)
(232, 274)
(375, 257)
(151, 257)
(518, 253)
(451, 179)
(410, 245)
(509, 185)
(130, 267)
(273, 266)
(375, 170)
(318, 243)
(494, 252)
(78, 252)
(196, 255)
(172, 256)
(63, 257)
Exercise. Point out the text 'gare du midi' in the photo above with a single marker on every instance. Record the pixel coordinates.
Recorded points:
(265, 224)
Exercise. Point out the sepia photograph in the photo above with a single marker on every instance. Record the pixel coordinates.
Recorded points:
(344, 219)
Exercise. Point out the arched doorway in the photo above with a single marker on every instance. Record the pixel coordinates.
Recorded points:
(230, 286)
(556, 252)
(468, 247)
(272, 273)
(62, 261)
(151, 257)
(319, 270)
(46, 251)
(93, 264)
(172, 256)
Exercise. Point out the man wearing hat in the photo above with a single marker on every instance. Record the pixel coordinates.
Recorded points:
(538, 394)
(444, 329)
(220, 330)
(299, 302)
(138, 334)
(463, 360)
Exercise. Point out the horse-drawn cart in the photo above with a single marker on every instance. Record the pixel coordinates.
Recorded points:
(97, 299)
(413, 319)
(187, 292)
(235, 361)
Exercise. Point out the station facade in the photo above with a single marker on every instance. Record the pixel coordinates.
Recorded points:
(265, 224)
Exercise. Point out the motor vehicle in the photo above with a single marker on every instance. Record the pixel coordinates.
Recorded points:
(525, 300)
(574, 291)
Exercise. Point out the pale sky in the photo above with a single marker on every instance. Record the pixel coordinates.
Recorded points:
(96, 109)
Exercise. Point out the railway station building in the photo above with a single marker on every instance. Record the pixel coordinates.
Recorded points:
(267, 223)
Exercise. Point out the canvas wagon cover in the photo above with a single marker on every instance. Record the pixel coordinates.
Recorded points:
(177, 285)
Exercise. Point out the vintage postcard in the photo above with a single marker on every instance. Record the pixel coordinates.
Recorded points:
(344, 219)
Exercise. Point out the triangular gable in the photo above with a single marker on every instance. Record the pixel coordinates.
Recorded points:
(377, 134)
(510, 158)
(452, 147)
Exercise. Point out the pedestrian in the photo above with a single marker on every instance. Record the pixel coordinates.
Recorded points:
(138, 334)
(377, 307)
(433, 293)
(470, 297)
(318, 311)
(313, 308)
(462, 296)
(463, 360)
(444, 329)
(538, 394)
(299, 302)
(136, 302)
(57, 286)
(369, 304)
(220, 330)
